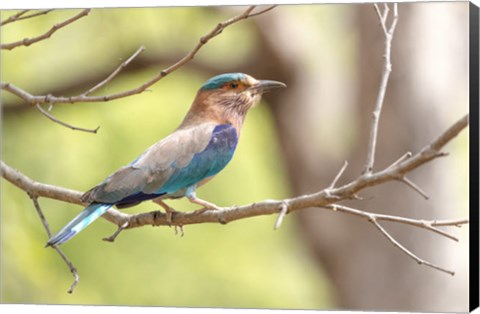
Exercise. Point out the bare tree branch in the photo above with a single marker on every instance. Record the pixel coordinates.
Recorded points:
(20, 16)
(217, 30)
(41, 215)
(323, 199)
(114, 73)
(382, 17)
(399, 160)
(37, 189)
(88, 79)
(387, 68)
(56, 27)
(318, 199)
(56, 120)
(415, 187)
(14, 17)
(339, 174)
(70, 265)
(263, 11)
(429, 225)
(406, 251)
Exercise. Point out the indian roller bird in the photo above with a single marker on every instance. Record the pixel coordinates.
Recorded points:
(193, 154)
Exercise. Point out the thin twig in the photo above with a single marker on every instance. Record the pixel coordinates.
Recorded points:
(114, 73)
(387, 68)
(40, 214)
(415, 187)
(218, 29)
(399, 160)
(44, 12)
(116, 233)
(14, 17)
(72, 268)
(263, 11)
(283, 212)
(70, 265)
(424, 224)
(386, 10)
(56, 120)
(382, 18)
(56, 27)
(19, 16)
(458, 223)
(339, 174)
(395, 19)
(408, 252)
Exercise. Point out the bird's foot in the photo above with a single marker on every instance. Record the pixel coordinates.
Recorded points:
(206, 205)
(168, 210)
(182, 233)
(168, 215)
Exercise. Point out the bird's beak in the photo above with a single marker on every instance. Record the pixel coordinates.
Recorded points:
(263, 86)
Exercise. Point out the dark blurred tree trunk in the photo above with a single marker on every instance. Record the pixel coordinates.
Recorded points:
(366, 271)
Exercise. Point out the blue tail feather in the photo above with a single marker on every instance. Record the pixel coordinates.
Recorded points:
(86, 217)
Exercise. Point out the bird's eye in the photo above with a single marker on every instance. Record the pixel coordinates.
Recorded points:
(233, 85)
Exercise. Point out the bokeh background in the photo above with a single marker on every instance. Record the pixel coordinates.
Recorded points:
(330, 57)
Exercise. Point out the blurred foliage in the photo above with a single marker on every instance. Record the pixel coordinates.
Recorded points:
(242, 264)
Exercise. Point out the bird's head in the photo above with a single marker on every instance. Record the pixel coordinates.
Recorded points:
(226, 98)
(237, 91)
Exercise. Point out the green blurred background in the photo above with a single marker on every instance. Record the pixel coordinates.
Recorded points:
(242, 264)
(293, 143)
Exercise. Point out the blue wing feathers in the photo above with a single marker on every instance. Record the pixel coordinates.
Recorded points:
(170, 175)
(135, 199)
(206, 163)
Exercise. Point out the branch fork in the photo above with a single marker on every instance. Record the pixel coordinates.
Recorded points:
(29, 41)
(318, 199)
(85, 97)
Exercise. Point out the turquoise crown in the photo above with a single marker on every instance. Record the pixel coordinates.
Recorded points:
(219, 80)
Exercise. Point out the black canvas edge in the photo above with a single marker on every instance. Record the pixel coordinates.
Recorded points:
(474, 160)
